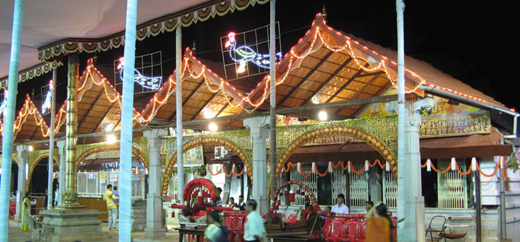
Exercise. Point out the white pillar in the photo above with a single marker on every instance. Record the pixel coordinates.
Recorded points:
(62, 171)
(259, 127)
(178, 115)
(154, 227)
(413, 229)
(23, 157)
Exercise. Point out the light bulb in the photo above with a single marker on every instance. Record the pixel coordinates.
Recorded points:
(111, 139)
(213, 127)
(323, 116)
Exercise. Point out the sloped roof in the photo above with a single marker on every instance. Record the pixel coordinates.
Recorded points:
(327, 65)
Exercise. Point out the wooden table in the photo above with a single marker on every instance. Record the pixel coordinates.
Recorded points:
(198, 233)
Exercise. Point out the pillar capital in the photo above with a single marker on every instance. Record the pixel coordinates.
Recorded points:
(23, 153)
(259, 127)
(154, 137)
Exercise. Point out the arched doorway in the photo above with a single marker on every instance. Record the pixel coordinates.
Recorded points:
(334, 160)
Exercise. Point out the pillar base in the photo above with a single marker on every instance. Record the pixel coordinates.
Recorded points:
(153, 234)
(69, 225)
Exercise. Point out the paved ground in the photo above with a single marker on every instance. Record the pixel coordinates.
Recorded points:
(16, 235)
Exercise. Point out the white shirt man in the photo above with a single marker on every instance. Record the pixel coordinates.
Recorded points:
(254, 229)
(340, 207)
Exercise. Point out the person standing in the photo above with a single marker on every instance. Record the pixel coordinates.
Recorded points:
(219, 197)
(109, 198)
(116, 193)
(216, 231)
(254, 229)
(340, 207)
(380, 227)
(26, 212)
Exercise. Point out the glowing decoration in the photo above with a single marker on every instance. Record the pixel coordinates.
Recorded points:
(30, 148)
(111, 139)
(3, 105)
(315, 99)
(213, 127)
(323, 116)
(46, 106)
(244, 54)
(153, 83)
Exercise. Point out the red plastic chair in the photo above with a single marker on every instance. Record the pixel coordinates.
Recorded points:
(337, 230)
(240, 225)
(355, 231)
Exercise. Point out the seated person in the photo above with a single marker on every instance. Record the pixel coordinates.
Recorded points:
(232, 203)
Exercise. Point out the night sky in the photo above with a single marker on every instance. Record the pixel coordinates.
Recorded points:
(474, 41)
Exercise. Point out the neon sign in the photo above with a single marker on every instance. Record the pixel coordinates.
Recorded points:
(243, 54)
(46, 106)
(153, 83)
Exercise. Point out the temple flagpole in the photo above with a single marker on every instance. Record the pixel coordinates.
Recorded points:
(272, 97)
(51, 142)
(178, 115)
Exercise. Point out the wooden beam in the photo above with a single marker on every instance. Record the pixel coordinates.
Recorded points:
(187, 99)
(88, 112)
(372, 74)
(203, 106)
(361, 90)
(345, 85)
(323, 60)
(323, 84)
(379, 93)
(100, 121)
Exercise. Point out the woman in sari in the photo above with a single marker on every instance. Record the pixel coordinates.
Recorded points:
(26, 212)
(216, 231)
(379, 227)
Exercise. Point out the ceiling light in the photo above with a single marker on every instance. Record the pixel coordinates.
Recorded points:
(323, 116)
(111, 138)
(30, 148)
(213, 127)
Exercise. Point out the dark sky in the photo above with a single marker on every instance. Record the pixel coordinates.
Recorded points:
(474, 41)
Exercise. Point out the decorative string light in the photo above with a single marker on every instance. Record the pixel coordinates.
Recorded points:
(3, 105)
(152, 83)
(244, 54)
(46, 106)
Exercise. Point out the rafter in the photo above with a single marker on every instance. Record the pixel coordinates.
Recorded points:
(372, 74)
(203, 106)
(187, 99)
(323, 84)
(323, 60)
(93, 104)
(379, 93)
(360, 90)
(345, 85)
(106, 114)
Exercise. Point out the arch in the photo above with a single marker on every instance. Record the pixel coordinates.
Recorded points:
(201, 141)
(15, 159)
(200, 182)
(338, 130)
(314, 202)
(115, 147)
(33, 166)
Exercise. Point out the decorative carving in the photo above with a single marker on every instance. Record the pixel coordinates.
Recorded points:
(456, 125)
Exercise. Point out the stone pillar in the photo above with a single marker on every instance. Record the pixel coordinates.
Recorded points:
(259, 127)
(61, 174)
(414, 201)
(23, 157)
(154, 210)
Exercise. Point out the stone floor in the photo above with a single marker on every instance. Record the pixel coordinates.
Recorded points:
(16, 235)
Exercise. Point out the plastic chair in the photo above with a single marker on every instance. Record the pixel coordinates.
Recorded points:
(355, 231)
(337, 230)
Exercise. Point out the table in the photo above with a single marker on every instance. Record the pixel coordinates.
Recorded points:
(198, 233)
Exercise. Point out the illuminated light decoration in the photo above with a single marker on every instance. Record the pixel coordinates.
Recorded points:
(30, 148)
(46, 106)
(152, 83)
(315, 99)
(208, 113)
(111, 139)
(323, 116)
(213, 127)
(27, 110)
(3, 105)
(243, 54)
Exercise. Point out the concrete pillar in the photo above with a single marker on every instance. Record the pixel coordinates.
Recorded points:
(414, 201)
(154, 210)
(61, 151)
(23, 157)
(259, 127)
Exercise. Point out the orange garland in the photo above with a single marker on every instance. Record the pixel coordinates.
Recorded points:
(211, 172)
(318, 171)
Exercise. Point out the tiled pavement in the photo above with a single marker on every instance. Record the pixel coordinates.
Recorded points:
(16, 235)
